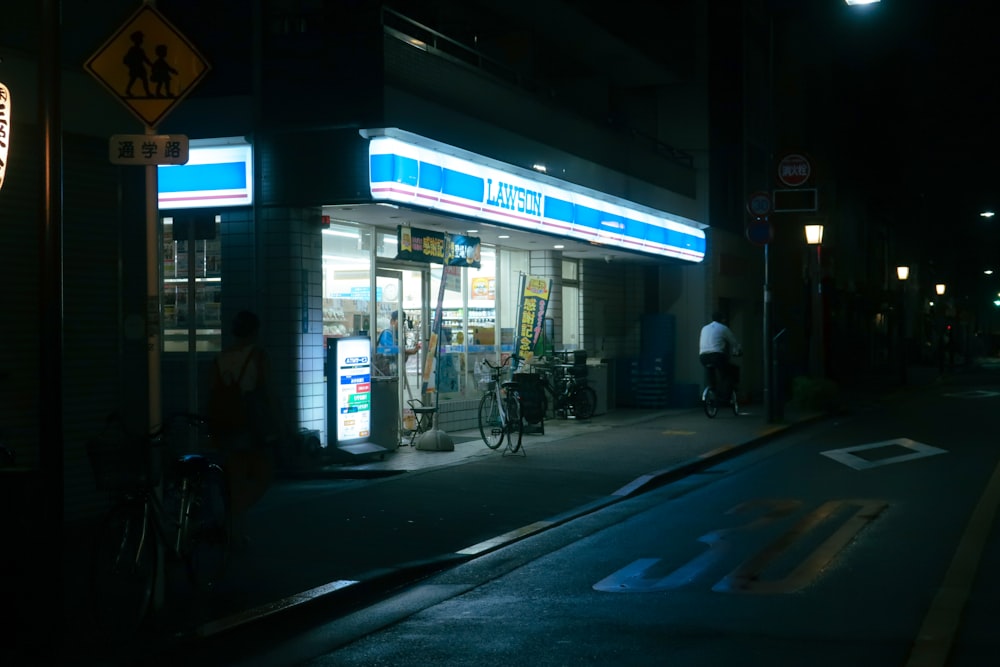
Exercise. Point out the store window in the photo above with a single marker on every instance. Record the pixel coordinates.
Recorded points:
(479, 317)
(192, 283)
(346, 280)
(571, 318)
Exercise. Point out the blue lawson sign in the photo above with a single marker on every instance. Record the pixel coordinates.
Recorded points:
(407, 169)
(215, 175)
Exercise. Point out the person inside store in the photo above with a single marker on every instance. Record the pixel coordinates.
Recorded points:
(242, 417)
(385, 357)
(716, 347)
(388, 336)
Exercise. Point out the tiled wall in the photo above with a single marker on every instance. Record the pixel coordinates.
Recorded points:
(290, 301)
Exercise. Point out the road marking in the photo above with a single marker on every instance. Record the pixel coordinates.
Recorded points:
(675, 432)
(940, 625)
(974, 393)
(902, 449)
(749, 576)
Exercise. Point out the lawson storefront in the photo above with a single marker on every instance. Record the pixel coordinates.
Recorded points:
(448, 240)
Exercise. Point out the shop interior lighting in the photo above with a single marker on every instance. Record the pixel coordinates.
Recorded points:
(337, 232)
(539, 168)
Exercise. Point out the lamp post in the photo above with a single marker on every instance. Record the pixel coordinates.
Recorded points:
(902, 273)
(941, 332)
(814, 237)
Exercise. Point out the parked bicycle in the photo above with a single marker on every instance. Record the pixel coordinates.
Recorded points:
(569, 392)
(720, 392)
(500, 414)
(188, 515)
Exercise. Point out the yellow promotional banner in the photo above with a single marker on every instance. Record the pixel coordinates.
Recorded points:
(4, 129)
(534, 301)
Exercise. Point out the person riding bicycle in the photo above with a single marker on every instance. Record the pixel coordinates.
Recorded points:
(716, 346)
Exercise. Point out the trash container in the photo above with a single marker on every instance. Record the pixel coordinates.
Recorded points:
(532, 399)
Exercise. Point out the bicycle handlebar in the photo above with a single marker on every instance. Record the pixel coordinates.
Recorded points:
(156, 436)
(504, 363)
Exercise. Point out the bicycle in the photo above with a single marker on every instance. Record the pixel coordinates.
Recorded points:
(183, 513)
(500, 409)
(712, 398)
(574, 398)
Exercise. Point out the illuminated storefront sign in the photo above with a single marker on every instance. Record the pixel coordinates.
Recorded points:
(353, 378)
(4, 129)
(216, 174)
(406, 172)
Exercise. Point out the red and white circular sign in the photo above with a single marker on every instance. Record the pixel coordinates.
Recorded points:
(794, 170)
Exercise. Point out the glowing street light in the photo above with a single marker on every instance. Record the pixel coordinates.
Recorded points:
(939, 289)
(987, 214)
(902, 272)
(814, 236)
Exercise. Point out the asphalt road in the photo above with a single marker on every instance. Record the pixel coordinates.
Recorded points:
(864, 540)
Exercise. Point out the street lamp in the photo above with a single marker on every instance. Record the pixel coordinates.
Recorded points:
(814, 236)
(902, 273)
(939, 289)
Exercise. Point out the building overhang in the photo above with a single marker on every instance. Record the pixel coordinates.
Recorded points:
(411, 170)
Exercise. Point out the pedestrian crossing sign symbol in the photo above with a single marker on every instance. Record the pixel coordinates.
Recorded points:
(148, 65)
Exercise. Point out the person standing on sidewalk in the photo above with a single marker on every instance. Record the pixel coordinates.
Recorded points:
(242, 418)
(716, 345)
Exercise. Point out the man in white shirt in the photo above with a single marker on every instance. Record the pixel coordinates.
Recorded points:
(716, 345)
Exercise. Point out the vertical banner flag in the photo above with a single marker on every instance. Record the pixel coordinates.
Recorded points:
(534, 301)
(5, 121)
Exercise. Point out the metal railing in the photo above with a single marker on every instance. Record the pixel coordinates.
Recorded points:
(435, 43)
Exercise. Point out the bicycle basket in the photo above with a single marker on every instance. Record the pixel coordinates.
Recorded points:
(119, 462)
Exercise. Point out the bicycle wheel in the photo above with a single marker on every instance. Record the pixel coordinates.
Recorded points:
(206, 552)
(489, 420)
(515, 422)
(584, 402)
(736, 404)
(711, 407)
(123, 570)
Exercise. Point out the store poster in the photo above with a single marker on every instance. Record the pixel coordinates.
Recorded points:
(354, 388)
(534, 300)
(422, 245)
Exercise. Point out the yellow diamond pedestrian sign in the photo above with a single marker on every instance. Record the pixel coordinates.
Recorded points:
(148, 65)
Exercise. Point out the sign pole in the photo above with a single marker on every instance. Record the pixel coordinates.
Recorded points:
(153, 253)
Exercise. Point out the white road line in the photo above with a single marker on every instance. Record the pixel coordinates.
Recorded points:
(937, 632)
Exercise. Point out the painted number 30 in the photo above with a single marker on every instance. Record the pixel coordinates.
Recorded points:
(838, 520)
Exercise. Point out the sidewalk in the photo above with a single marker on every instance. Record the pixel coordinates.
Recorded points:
(359, 529)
